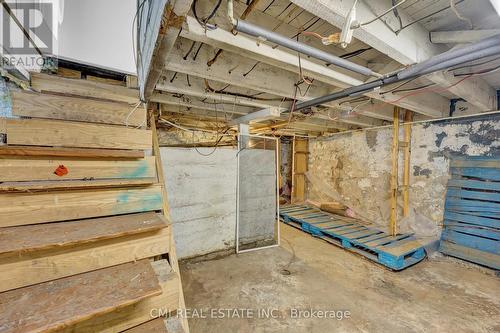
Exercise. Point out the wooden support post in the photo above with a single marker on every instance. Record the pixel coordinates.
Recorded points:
(406, 170)
(394, 173)
(166, 212)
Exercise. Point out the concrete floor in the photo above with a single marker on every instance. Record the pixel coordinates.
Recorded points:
(437, 295)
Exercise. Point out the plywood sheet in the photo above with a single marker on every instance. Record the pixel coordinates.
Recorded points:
(45, 82)
(49, 306)
(34, 169)
(75, 108)
(27, 268)
(38, 132)
(32, 208)
(61, 234)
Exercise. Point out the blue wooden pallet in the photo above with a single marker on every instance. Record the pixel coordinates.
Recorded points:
(395, 252)
(471, 221)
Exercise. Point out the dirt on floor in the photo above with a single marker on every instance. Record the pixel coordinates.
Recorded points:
(308, 285)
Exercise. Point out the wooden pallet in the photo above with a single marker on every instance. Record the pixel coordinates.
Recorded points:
(395, 252)
(472, 211)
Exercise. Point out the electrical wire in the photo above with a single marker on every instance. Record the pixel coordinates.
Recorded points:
(203, 22)
(359, 25)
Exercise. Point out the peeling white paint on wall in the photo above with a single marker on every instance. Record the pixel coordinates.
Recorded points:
(357, 165)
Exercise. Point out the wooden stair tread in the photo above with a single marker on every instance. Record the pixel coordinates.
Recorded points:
(36, 105)
(49, 306)
(78, 87)
(18, 209)
(154, 326)
(133, 316)
(70, 134)
(13, 150)
(73, 184)
(20, 239)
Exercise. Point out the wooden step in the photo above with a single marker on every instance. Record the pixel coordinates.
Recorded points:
(32, 208)
(53, 305)
(153, 326)
(27, 268)
(57, 133)
(61, 185)
(51, 106)
(61, 234)
(13, 150)
(33, 169)
(85, 88)
(137, 314)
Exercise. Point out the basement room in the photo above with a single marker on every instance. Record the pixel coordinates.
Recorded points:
(206, 166)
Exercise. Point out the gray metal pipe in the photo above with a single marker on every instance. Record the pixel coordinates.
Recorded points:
(448, 55)
(463, 59)
(396, 77)
(256, 31)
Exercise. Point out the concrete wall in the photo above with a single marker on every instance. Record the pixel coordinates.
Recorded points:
(202, 198)
(257, 190)
(356, 167)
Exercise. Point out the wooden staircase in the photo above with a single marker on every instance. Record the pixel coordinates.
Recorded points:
(86, 243)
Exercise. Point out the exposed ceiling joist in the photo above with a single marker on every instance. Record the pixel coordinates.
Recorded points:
(431, 105)
(181, 88)
(409, 46)
(240, 71)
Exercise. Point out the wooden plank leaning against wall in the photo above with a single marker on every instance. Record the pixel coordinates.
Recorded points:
(79, 180)
(299, 169)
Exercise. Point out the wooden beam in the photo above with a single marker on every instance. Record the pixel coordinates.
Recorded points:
(195, 102)
(166, 213)
(57, 304)
(461, 36)
(264, 114)
(410, 46)
(393, 228)
(19, 208)
(406, 159)
(38, 132)
(33, 169)
(13, 150)
(171, 24)
(74, 108)
(17, 269)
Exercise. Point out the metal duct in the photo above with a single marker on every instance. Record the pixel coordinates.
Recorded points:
(256, 31)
